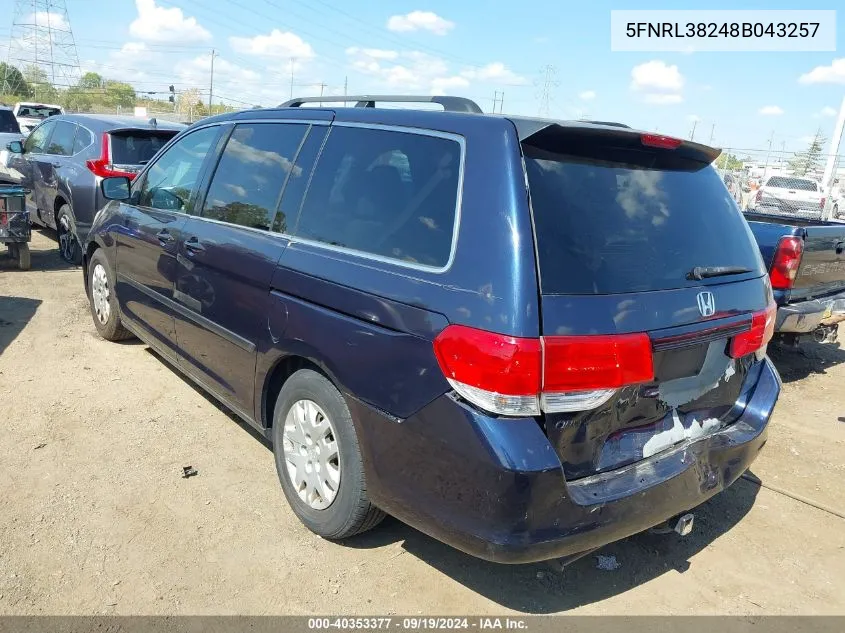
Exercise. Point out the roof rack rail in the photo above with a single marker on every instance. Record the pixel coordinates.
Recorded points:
(610, 123)
(450, 104)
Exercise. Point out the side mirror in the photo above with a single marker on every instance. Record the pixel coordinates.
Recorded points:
(16, 147)
(115, 188)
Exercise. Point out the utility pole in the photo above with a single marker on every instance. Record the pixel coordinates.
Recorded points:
(292, 61)
(712, 132)
(322, 86)
(345, 85)
(830, 167)
(692, 132)
(768, 153)
(495, 100)
(211, 83)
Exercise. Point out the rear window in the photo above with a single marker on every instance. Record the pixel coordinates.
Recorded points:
(37, 112)
(782, 182)
(8, 123)
(612, 223)
(137, 147)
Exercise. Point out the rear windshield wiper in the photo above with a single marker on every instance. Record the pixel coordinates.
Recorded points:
(705, 272)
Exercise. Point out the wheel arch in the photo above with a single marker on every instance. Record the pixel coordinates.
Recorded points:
(282, 369)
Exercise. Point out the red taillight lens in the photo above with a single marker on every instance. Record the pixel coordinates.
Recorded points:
(761, 332)
(786, 261)
(576, 363)
(489, 361)
(102, 166)
(658, 140)
(509, 375)
(821, 203)
(759, 195)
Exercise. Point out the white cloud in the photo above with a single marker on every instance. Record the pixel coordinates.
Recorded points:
(833, 74)
(441, 85)
(828, 111)
(420, 21)
(771, 110)
(656, 75)
(660, 83)
(48, 18)
(495, 72)
(159, 24)
(656, 98)
(276, 44)
(587, 95)
(693, 118)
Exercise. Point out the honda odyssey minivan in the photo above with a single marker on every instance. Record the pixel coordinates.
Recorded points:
(524, 337)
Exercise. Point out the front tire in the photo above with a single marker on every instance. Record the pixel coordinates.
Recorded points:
(103, 300)
(318, 458)
(23, 256)
(69, 248)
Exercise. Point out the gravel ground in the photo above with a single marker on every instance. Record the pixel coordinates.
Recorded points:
(95, 517)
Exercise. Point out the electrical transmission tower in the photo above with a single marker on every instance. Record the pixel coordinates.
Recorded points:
(41, 46)
(549, 82)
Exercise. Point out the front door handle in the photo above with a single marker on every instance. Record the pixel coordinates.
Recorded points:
(194, 245)
(164, 236)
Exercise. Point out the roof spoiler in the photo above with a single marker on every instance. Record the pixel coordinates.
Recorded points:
(449, 104)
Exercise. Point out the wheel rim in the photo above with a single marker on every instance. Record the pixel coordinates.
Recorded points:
(67, 243)
(311, 454)
(100, 293)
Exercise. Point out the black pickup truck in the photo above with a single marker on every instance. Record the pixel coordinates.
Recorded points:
(806, 262)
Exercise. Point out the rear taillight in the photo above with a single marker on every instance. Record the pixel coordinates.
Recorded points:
(786, 261)
(514, 376)
(761, 332)
(102, 166)
(660, 141)
(759, 195)
(821, 203)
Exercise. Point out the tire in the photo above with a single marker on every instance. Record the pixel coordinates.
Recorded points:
(23, 256)
(349, 511)
(70, 250)
(103, 301)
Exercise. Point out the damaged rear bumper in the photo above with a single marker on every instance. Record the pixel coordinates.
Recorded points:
(806, 316)
(495, 488)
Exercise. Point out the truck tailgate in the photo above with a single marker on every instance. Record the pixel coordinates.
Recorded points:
(822, 268)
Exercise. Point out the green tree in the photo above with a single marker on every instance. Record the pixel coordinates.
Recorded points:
(118, 93)
(39, 84)
(810, 160)
(728, 162)
(90, 81)
(12, 81)
(78, 99)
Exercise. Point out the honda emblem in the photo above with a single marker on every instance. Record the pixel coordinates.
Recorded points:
(706, 303)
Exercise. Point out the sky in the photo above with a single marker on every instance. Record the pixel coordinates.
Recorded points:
(735, 100)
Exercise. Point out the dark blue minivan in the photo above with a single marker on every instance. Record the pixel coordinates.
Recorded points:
(526, 338)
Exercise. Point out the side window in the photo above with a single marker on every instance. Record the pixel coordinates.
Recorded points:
(298, 179)
(252, 171)
(37, 139)
(172, 179)
(83, 139)
(61, 141)
(383, 192)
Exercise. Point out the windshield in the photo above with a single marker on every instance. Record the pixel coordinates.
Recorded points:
(137, 147)
(38, 112)
(783, 182)
(616, 225)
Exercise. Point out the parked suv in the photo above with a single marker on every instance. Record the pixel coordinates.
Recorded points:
(62, 161)
(527, 338)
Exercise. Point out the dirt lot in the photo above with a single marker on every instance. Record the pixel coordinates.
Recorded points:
(95, 517)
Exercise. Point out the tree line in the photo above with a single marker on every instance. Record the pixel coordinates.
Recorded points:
(92, 92)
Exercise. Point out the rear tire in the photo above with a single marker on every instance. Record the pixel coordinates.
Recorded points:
(309, 410)
(23, 256)
(103, 299)
(70, 250)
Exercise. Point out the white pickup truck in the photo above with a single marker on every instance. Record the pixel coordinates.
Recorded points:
(789, 195)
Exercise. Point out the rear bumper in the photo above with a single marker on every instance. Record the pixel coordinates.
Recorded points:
(805, 316)
(494, 488)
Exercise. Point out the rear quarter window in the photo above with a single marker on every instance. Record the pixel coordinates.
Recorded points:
(387, 193)
(617, 225)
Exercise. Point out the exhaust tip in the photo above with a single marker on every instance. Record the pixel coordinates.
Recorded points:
(684, 524)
